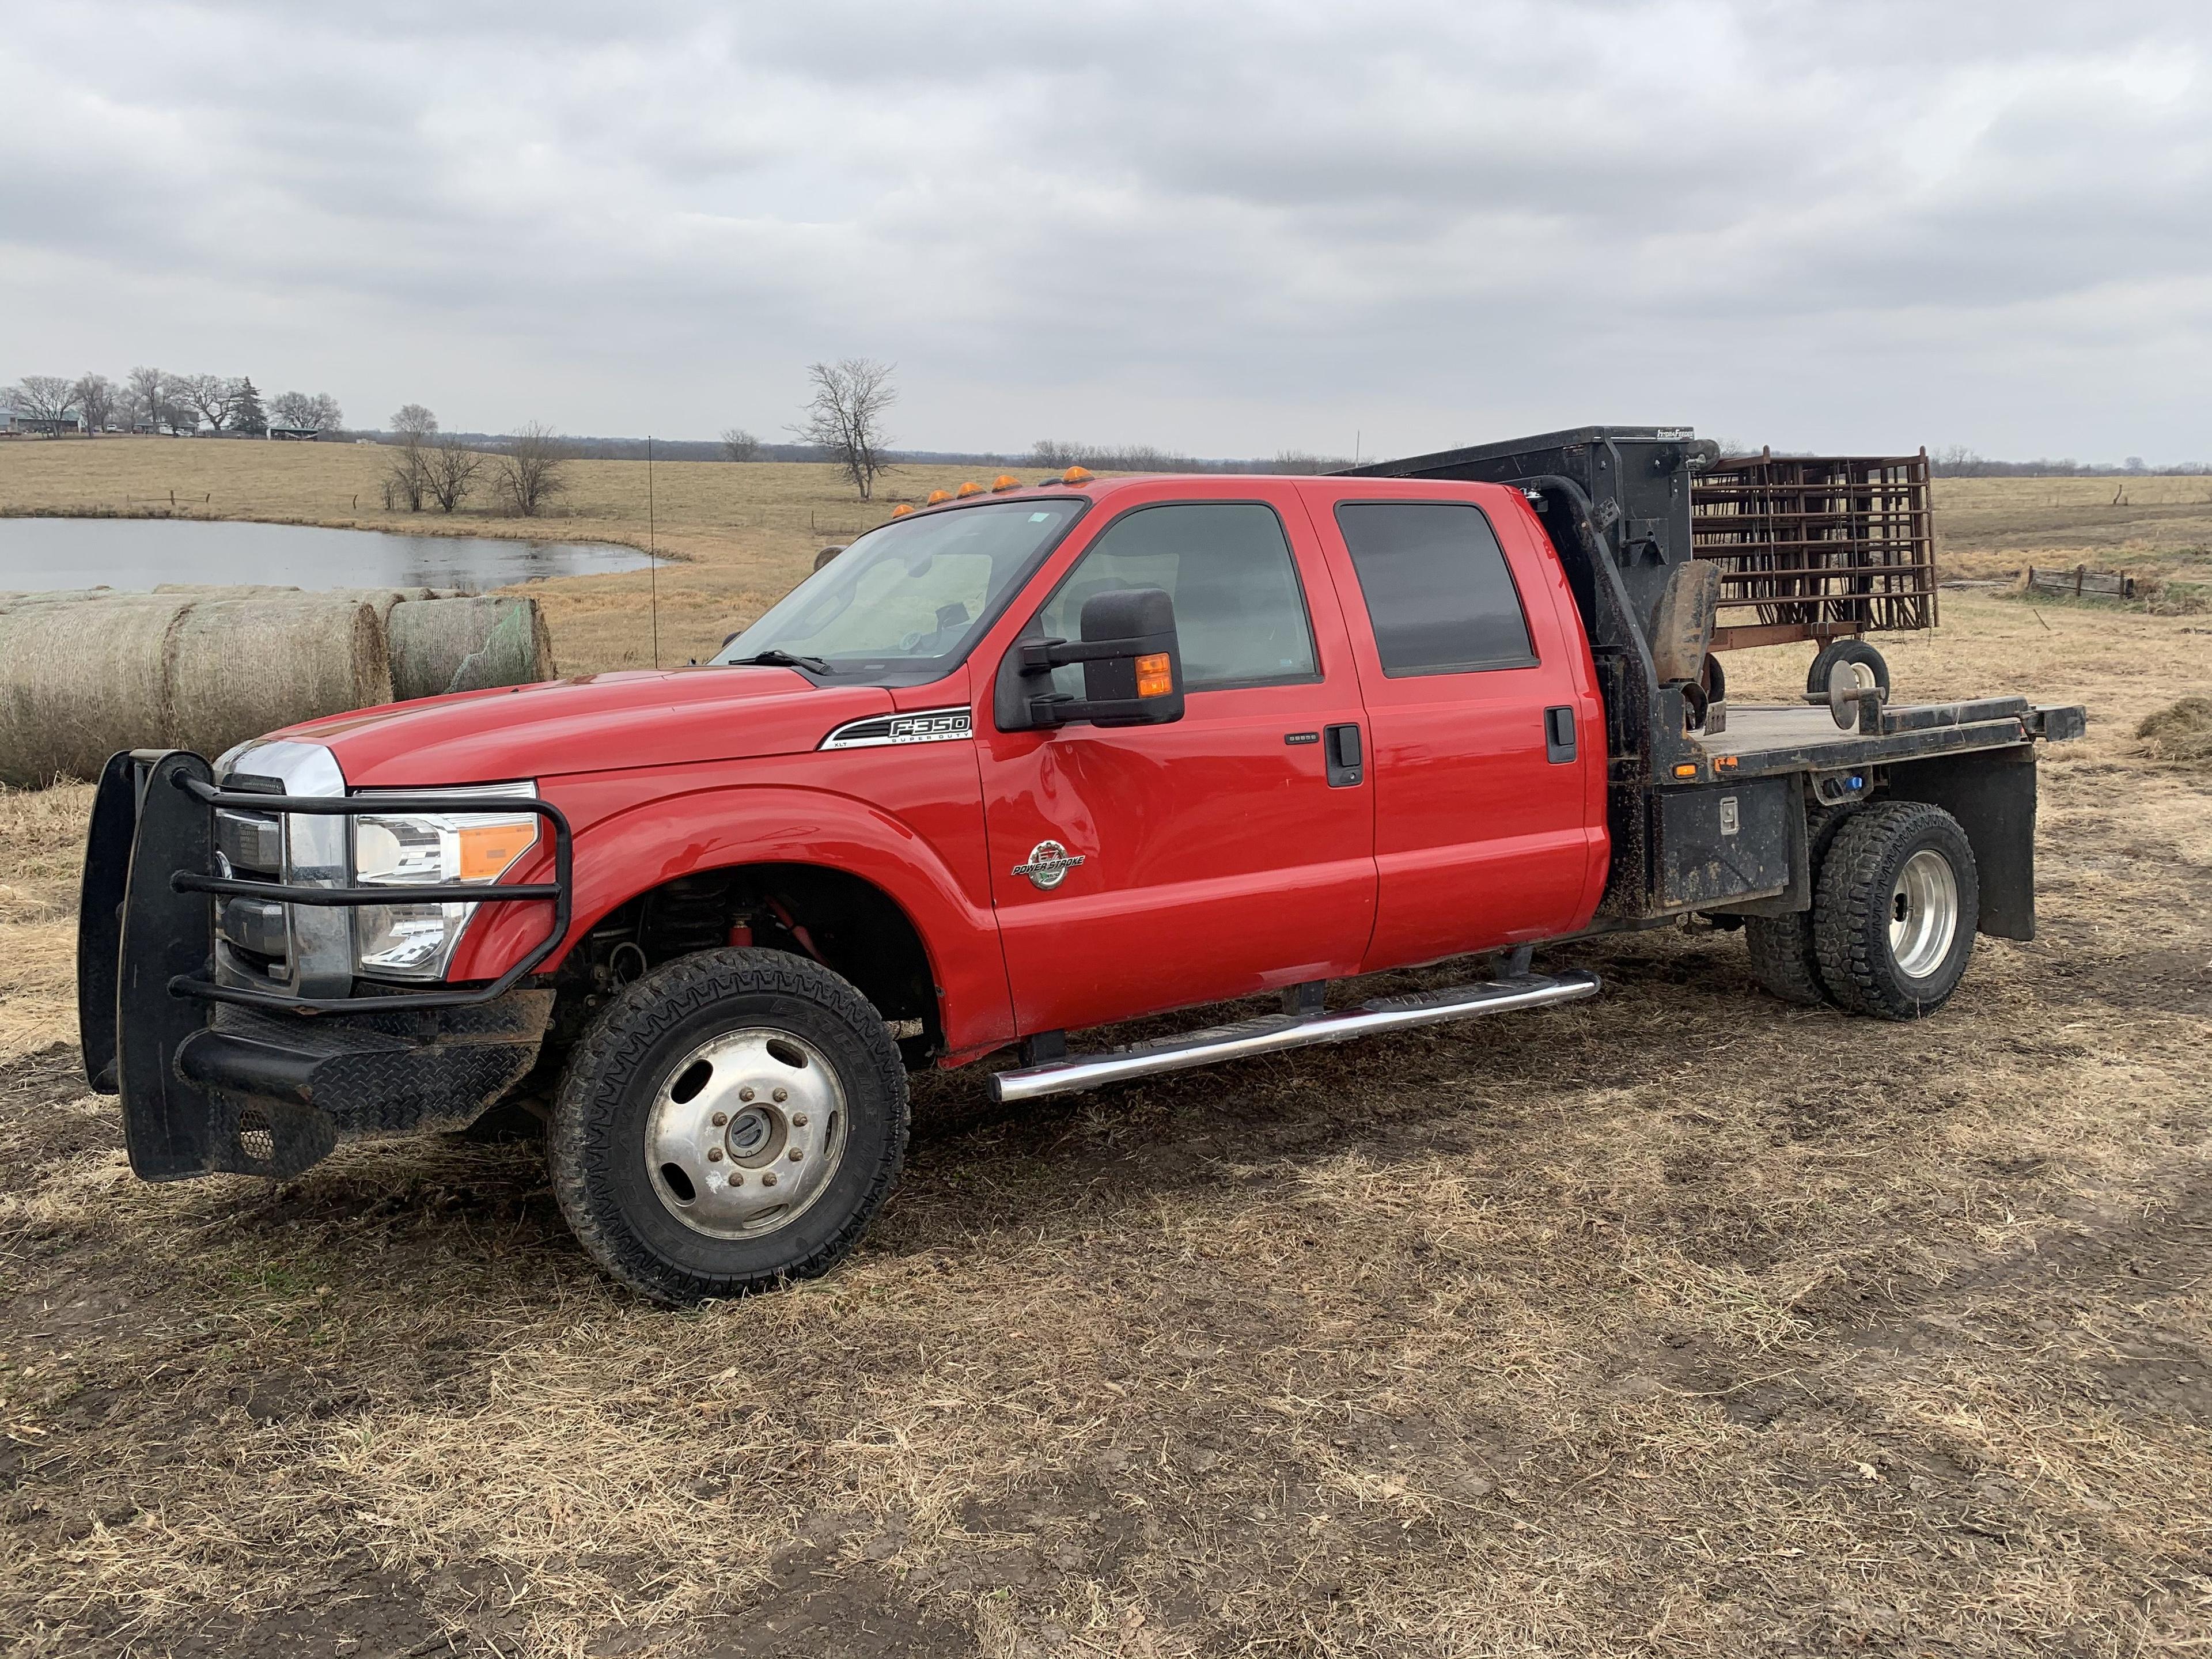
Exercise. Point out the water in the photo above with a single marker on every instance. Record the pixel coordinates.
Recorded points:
(38, 554)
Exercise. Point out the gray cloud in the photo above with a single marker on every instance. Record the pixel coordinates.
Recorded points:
(1225, 228)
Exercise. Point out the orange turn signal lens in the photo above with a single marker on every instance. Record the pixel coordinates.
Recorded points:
(488, 850)
(1154, 678)
(1076, 474)
(1687, 769)
(971, 488)
(901, 509)
(1004, 481)
(937, 496)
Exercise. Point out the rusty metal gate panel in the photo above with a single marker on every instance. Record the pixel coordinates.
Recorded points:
(1815, 547)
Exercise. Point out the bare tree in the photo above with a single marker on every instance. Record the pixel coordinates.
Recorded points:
(208, 396)
(739, 445)
(96, 397)
(533, 469)
(413, 420)
(845, 418)
(304, 412)
(146, 396)
(449, 471)
(46, 399)
(407, 480)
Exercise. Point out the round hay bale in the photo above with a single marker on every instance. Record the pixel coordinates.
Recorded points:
(467, 645)
(84, 677)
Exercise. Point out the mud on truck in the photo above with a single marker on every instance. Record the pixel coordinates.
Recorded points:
(1031, 760)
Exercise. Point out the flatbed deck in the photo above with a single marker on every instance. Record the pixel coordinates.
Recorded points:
(1767, 740)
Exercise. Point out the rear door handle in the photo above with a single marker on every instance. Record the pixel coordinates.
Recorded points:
(1346, 765)
(1560, 734)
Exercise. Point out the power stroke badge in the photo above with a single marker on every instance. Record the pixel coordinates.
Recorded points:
(1049, 863)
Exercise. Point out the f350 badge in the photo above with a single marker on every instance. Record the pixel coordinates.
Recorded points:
(1049, 863)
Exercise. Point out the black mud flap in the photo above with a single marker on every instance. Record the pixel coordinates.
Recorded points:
(100, 910)
(173, 1127)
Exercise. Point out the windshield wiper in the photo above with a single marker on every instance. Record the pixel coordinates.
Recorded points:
(774, 659)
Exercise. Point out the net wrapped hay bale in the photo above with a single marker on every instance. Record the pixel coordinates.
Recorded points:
(83, 675)
(467, 645)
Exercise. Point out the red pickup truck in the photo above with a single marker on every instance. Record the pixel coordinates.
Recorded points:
(1029, 761)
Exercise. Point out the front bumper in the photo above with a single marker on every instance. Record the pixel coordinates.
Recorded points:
(221, 1078)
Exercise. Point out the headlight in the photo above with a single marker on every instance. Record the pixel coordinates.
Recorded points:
(430, 849)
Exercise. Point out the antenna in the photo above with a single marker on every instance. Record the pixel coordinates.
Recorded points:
(652, 553)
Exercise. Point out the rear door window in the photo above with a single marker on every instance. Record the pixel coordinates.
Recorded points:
(1240, 613)
(1438, 593)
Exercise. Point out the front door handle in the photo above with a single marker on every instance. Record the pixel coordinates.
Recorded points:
(1347, 764)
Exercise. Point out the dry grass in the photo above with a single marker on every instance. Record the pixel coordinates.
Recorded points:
(742, 535)
(2182, 733)
(1677, 1322)
(1992, 528)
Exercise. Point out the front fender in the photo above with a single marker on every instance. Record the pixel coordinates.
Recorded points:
(637, 850)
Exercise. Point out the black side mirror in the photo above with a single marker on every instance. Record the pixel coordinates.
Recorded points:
(1131, 665)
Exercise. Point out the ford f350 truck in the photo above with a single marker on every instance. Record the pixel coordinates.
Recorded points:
(1029, 761)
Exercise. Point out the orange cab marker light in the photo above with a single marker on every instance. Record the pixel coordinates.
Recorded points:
(901, 509)
(1076, 474)
(937, 496)
(1004, 481)
(971, 488)
(1154, 678)
(1687, 769)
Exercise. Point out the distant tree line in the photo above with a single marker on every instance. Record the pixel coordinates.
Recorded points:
(153, 400)
(1957, 461)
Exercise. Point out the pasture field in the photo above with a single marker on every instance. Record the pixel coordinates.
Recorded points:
(741, 535)
(1676, 1323)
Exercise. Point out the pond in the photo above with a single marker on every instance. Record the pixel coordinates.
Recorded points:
(37, 554)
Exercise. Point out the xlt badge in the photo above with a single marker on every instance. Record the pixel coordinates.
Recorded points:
(1049, 863)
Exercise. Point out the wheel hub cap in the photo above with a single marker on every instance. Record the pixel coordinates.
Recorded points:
(1923, 913)
(746, 1131)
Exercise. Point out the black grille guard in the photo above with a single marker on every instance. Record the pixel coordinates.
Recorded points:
(560, 890)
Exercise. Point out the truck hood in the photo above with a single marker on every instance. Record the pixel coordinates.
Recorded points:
(593, 723)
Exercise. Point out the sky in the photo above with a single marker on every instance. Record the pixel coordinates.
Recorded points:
(1221, 228)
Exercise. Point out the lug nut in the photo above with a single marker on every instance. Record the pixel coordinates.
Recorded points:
(769, 1179)
(798, 1120)
(720, 1118)
(745, 1094)
(782, 1094)
(737, 1177)
(796, 1155)
(713, 1155)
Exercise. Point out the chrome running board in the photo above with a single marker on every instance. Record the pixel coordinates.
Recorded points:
(1271, 1033)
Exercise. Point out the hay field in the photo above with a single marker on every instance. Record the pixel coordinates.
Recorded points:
(744, 535)
(740, 536)
(1677, 1322)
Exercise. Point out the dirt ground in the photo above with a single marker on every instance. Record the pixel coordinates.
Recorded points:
(1675, 1323)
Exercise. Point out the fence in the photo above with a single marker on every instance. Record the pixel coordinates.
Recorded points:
(2081, 580)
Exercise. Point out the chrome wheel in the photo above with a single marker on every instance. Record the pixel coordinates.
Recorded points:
(746, 1133)
(1923, 913)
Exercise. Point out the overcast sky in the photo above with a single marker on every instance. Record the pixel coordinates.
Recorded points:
(1227, 229)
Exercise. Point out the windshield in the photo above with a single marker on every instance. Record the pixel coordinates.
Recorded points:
(905, 601)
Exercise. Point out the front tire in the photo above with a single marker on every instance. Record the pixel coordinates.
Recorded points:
(1898, 905)
(732, 1120)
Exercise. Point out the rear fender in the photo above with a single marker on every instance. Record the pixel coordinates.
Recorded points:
(634, 851)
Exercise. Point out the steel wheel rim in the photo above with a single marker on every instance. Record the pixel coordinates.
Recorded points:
(780, 1137)
(1923, 913)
